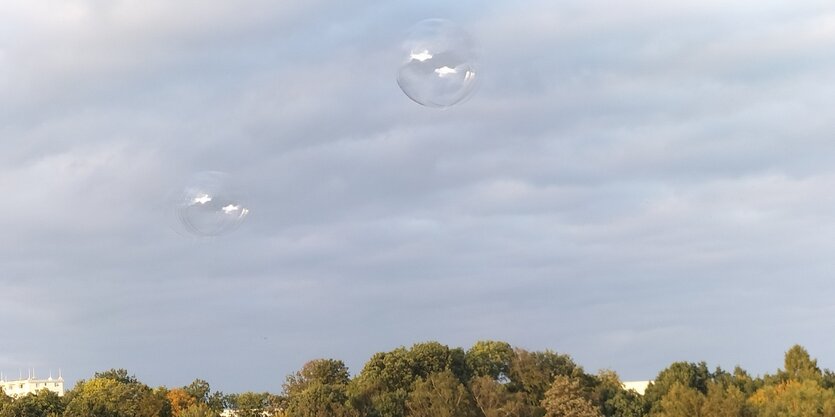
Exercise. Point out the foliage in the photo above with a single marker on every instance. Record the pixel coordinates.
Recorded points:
(680, 401)
(686, 374)
(254, 404)
(534, 372)
(613, 399)
(106, 397)
(5, 400)
(490, 358)
(180, 400)
(725, 402)
(566, 398)
(319, 389)
(199, 410)
(494, 399)
(799, 366)
(320, 371)
(384, 385)
(490, 379)
(202, 393)
(44, 403)
(119, 375)
(440, 395)
(199, 390)
(794, 398)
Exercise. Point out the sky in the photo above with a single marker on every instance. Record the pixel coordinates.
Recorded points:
(632, 183)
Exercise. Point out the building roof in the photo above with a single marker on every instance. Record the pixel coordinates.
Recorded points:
(637, 386)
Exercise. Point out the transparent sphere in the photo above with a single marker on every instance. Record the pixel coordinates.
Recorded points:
(210, 205)
(439, 64)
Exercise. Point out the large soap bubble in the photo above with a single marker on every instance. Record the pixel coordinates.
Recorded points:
(210, 205)
(439, 64)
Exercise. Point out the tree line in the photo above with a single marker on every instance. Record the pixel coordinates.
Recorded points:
(490, 379)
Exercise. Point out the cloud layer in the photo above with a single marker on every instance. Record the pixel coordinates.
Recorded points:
(632, 184)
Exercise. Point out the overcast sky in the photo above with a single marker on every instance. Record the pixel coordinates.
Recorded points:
(633, 183)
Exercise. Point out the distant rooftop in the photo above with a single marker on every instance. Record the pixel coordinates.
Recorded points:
(31, 384)
(637, 386)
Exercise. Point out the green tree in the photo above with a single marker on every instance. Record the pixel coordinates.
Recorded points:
(199, 410)
(724, 402)
(494, 399)
(389, 371)
(385, 382)
(120, 375)
(254, 404)
(799, 365)
(441, 395)
(44, 403)
(742, 380)
(613, 399)
(319, 389)
(794, 398)
(432, 357)
(320, 400)
(321, 371)
(217, 401)
(567, 398)
(109, 397)
(534, 372)
(624, 404)
(201, 391)
(180, 400)
(681, 401)
(490, 358)
(5, 400)
(371, 400)
(686, 374)
(828, 379)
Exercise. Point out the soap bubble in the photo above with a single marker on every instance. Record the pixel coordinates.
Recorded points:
(439, 64)
(210, 205)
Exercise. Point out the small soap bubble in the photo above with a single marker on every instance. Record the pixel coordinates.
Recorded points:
(439, 64)
(209, 205)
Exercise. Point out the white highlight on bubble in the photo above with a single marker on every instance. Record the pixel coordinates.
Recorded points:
(202, 199)
(233, 208)
(422, 55)
(444, 71)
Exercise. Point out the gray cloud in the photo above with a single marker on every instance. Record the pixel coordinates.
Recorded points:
(632, 184)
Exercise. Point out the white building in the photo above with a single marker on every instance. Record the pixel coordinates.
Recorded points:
(228, 412)
(31, 385)
(637, 386)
